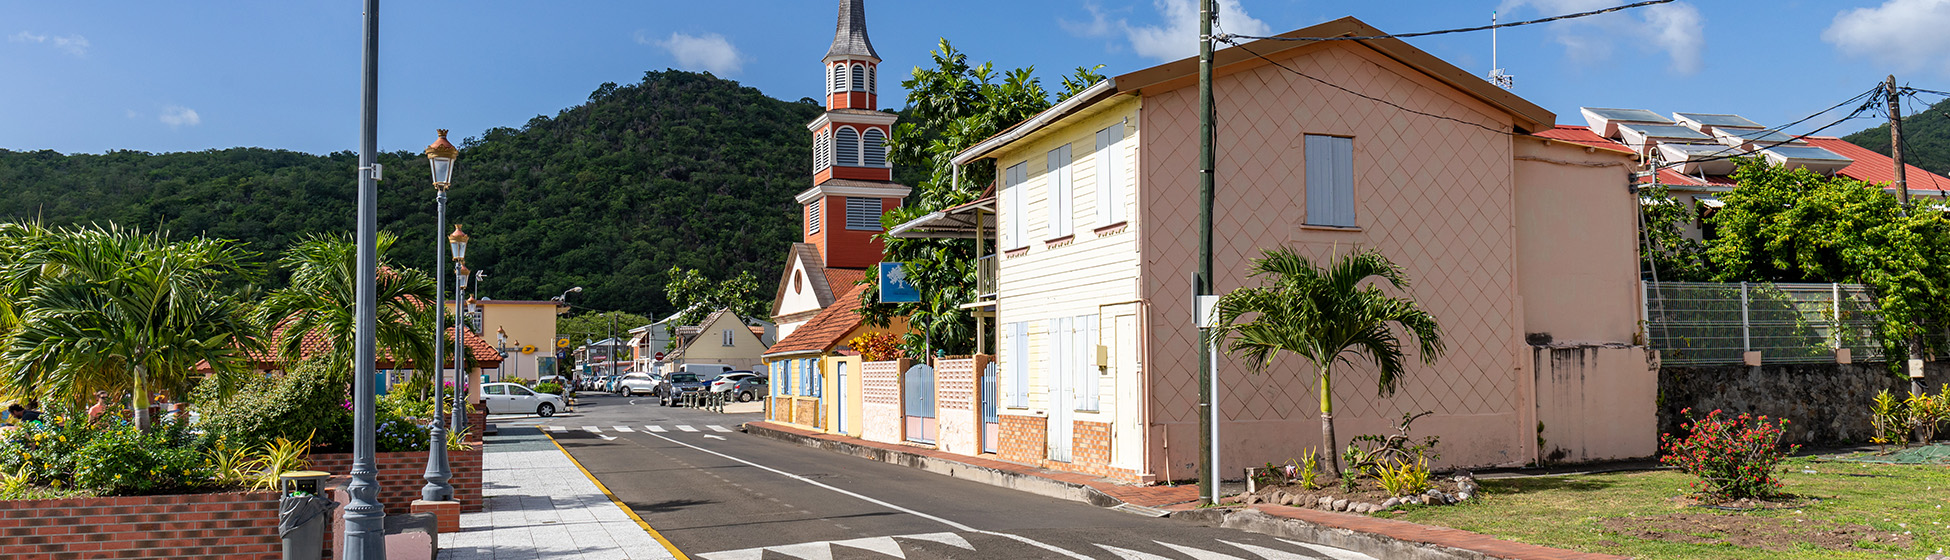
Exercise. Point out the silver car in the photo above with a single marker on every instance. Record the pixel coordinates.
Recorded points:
(636, 384)
(510, 398)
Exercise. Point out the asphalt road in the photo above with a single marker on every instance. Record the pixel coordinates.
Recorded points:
(719, 494)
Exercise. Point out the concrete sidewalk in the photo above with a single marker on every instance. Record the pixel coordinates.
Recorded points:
(540, 504)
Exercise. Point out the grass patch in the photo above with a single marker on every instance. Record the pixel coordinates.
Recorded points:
(1865, 511)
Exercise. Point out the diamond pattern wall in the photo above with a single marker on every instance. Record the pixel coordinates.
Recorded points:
(1435, 196)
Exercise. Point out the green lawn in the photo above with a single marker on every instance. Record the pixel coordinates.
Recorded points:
(1866, 511)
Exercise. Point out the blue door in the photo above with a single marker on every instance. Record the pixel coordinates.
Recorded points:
(991, 425)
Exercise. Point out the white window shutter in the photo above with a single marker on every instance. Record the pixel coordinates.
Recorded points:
(1018, 205)
(1069, 193)
(1090, 376)
(1020, 370)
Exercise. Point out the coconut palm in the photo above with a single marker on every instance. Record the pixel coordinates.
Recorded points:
(1326, 315)
(112, 308)
(320, 302)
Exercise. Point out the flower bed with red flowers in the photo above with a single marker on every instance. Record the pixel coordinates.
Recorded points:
(1734, 457)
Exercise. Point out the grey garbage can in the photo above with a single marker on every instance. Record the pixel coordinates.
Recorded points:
(302, 515)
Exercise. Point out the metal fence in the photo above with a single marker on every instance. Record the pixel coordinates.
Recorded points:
(1699, 323)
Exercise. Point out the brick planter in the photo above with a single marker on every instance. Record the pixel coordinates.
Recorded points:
(402, 474)
(232, 525)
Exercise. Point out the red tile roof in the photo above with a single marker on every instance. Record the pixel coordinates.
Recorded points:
(1582, 135)
(1877, 168)
(823, 332)
(478, 349)
(842, 279)
(1673, 178)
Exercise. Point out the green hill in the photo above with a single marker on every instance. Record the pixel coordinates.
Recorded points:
(681, 169)
(1926, 139)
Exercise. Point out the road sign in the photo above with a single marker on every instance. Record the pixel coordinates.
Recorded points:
(528, 349)
(562, 343)
(894, 286)
(660, 356)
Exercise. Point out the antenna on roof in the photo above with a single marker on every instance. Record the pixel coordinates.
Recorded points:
(1497, 76)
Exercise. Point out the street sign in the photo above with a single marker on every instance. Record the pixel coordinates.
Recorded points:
(529, 349)
(660, 356)
(894, 286)
(562, 343)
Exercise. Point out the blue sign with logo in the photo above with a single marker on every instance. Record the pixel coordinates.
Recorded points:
(894, 286)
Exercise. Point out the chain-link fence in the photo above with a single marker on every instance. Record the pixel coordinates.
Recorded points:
(1700, 323)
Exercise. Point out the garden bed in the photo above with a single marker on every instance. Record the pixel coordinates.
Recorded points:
(1863, 511)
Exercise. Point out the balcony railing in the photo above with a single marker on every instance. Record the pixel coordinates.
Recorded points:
(985, 278)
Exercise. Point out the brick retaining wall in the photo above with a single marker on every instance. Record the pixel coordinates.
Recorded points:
(402, 474)
(233, 525)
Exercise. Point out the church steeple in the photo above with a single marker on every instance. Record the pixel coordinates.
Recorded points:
(852, 176)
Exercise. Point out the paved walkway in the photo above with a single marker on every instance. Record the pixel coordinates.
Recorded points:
(541, 505)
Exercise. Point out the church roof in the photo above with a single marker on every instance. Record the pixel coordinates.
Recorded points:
(850, 36)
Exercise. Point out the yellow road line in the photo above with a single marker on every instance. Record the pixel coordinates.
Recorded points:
(619, 503)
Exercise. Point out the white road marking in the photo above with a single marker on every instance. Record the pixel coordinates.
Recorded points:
(558, 429)
(709, 436)
(592, 429)
(1127, 554)
(686, 428)
(883, 545)
(1198, 554)
(1335, 553)
(952, 524)
(622, 428)
(657, 429)
(823, 550)
(949, 539)
(718, 428)
(1268, 553)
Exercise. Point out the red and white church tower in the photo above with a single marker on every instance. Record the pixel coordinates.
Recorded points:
(853, 181)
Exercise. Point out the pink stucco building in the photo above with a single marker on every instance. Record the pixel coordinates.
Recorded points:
(1518, 235)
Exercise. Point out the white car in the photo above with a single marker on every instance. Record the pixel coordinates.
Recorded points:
(510, 398)
(636, 384)
(730, 379)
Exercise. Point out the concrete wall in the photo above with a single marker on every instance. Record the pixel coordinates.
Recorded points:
(1577, 248)
(1595, 402)
(880, 409)
(527, 323)
(957, 399)
(1826, 403)
(1436, 196)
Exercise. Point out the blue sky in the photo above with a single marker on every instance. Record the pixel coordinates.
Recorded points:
(95, 75)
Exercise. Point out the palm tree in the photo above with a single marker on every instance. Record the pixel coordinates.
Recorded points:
(319, 302)
(1326, 316)
(110, 308)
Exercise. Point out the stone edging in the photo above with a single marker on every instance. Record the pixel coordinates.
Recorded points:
(1380, 538)
(995, 477)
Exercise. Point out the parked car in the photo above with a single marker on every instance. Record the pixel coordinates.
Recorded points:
(636, 384)
(745, 388)
(704, 371)
(676, 385)
(556, 379)
(511, 398)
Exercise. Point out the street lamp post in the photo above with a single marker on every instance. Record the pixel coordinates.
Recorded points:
(441, 155)
(458, 242)
(365, 519)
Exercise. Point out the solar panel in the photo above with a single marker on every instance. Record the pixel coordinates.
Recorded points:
(1664, 131)
(1806, 153)
(1761, 136)
(1627, 115)
(1700, 150)
(1717, 120)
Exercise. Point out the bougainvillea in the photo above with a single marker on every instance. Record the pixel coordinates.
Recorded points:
(876, 347)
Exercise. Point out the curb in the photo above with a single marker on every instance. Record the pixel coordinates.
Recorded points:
(995, 477)
(1380, 538)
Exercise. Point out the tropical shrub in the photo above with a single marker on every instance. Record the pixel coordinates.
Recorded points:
(125, 461)
(308, 402)
(395, 434)
(1889, 417)
(876, 346)
(277, 457)
(1734, 458)
(1403, 478)
(400, 403)
(1925, 414)
(550, 388)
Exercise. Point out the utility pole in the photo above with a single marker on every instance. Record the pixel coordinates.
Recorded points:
(365, 518)
(1208, 392)
(1895, 100)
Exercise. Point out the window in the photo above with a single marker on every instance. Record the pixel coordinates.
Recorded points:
(873, 84)
(822, 151)
(1110, 175)
(1018, 205)
(876, 148)
(806, 388)
(862, 214)
(1330, 181)
(495, 389)
(727, 338)
(1062, 203)
(839, 78)
(846, 147)
(812, 219)
(791, 371)
(519, 391)
(859, 77)
(1018, 342)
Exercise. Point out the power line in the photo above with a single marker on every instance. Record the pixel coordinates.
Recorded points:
(1296, 72)
(1228, 37)
(1866, 106)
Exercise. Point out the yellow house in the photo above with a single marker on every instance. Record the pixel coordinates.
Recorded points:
(815, 376)
(721, 338)
(525, 332)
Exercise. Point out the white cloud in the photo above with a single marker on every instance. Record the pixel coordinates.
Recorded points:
(1905, 34)
(72, 44)
(178, 116)
(1178, 37)
(710, 52)
(1676, 29)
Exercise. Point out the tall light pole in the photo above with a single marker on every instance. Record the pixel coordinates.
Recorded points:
(458, 242)
(365, 519)
(441, 155)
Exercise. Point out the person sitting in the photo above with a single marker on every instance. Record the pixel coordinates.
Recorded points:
(101, 406)
(14, 415)
(33, 413)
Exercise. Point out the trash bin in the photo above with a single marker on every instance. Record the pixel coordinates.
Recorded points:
(302, 515)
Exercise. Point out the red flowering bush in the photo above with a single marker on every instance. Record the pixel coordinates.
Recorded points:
(1734, 457)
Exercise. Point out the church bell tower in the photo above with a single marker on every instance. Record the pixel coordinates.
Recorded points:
(853, 181)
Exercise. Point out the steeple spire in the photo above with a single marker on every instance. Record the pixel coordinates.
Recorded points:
(850, 35)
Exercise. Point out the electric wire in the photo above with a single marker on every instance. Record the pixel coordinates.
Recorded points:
(1297, 72)
(1866, 106)
(1460, 30)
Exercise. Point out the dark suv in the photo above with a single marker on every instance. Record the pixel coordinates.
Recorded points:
(677, 384)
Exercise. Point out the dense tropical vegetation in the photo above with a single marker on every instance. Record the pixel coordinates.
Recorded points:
(680, 169)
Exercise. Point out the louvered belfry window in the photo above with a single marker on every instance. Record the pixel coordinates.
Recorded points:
(862, 214)
(876, 148)
(846, 147)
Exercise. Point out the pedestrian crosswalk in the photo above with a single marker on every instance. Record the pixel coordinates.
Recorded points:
(652, 428)
(987, 544)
